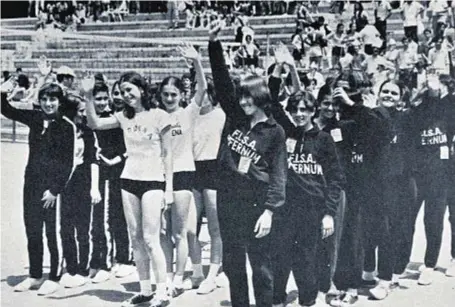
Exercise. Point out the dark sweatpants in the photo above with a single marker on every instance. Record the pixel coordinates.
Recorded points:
(451, 204)
(238, 212)
(328, 250)
(76, 219)
(388, 226)
(348, 273)
(35, 217)
(431, 189)
(295, 239)
(109, 227)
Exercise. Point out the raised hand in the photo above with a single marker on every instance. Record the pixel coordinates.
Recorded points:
(44, 66)
(282, 55)
(188, 52)
(214, 28)
(87, 83)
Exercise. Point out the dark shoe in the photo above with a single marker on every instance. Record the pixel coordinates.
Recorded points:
(137, 300)
(177, 291)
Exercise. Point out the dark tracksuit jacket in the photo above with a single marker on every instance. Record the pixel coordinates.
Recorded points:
(77, 207)
(49, 167)
(313, 189)
(252, 168)
(109, 224)
(432, 129)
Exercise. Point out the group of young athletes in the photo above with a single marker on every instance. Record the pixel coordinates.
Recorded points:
(312, 185)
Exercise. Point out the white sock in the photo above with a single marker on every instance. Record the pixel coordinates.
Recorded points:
(178, 280)
(161, 290)
(197, 270)
(169, 278)
(368, 275)
(146, 287)
(352, 291)
(395, 277)
(213, 271)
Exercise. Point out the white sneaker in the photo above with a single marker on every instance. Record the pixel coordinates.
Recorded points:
(101, 276)
(381, 291)
(124, 270)
(426, 277)
(207, 286)
(450, 271)
(28, 284)
(48, 287)
(115, 268)
(222, 281)
(76, 281)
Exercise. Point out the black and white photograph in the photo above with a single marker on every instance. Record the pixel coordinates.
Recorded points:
(192, 153)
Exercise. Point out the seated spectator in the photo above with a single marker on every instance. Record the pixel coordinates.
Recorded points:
(20, 90)
(249, 53)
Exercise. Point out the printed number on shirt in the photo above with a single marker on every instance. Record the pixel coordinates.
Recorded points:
(290, 145)
(336, 135)
(444, 152)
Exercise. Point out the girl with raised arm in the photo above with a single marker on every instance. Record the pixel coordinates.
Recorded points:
(47, 172)
(313, 190)
(252, 176)
(146, 178)
(183, 121)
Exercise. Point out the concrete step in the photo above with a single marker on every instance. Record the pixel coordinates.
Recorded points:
(394, 23)
(157, 33)
(112, 63)
(114, 74)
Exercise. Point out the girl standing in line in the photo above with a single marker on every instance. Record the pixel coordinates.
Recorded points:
(207, 138)
(48, 171)
(183, 121)
(146, 179)
(77, 199)
(252, 176)
(313, 191)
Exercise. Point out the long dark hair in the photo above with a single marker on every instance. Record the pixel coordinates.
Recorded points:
(139, 81)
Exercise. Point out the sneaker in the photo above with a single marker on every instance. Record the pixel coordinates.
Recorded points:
(115, 268)
(207, 286)
(177, 291)
(426, 277)
(394, 285)
(450, 272)
(192, 282)
(92, 272)
(160, 302)
(345, 300)
(222, 281)
(76, 281)
(48, 287)
(28, 284)
(137, 300)
(101, 276)
(381, 291)
(124, 270)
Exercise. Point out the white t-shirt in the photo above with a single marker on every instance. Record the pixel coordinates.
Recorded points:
(207, 135)
(411, 12)
(370, 36)
(183, 122)
(440, 60)
(142, 136)
(383, 9)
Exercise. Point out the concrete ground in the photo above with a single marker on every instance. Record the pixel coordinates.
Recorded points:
(14, 262)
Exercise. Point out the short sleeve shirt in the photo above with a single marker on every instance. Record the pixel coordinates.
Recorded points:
(142, 136)
(183, 122)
